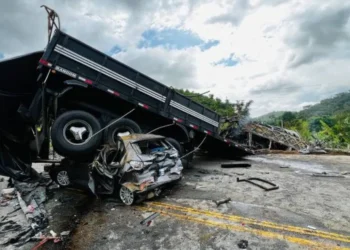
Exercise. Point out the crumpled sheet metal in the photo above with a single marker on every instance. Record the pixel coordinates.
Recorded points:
(145, 173)
(173, 174)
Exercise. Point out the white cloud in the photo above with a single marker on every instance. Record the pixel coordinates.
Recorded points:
(290, 52)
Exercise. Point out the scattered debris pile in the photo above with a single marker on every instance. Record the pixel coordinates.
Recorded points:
(28, 198)
(275, 137)
(31, 198)
(31, 214)
(261, 137)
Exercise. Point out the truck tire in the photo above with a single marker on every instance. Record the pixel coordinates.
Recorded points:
(176, 145)
(122, 126)
(71, 134)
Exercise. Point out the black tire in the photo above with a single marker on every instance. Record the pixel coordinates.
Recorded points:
(121, 126)
(63, 140)
(176, 145)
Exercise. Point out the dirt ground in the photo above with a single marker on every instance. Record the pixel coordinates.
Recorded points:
(306, 212)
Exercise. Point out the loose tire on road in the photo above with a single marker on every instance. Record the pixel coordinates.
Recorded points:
(122, 126)
(71, 133)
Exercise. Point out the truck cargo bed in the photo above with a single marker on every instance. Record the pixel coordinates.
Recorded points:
(78, 60)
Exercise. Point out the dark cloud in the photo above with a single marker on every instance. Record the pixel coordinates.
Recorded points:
(318, 32)
(24, 29)
(24, 23)
(236, 11)
(18, 28)
(323, 27)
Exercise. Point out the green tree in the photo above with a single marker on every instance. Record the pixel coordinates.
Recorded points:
(302, 127)
(337, 136)
(316, 125)
(288, 116)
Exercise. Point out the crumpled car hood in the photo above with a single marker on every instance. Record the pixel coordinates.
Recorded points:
(159, 168)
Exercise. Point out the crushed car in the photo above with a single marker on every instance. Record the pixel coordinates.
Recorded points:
(135, 167)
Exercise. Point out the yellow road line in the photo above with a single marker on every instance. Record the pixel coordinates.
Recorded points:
(235, 218)
(267, 234)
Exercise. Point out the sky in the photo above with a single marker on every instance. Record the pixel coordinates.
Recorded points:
(282, 54)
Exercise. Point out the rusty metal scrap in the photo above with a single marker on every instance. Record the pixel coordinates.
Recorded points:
(251, 181)
(52, 17)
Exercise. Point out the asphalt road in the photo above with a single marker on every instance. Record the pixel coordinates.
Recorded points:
(306, 212)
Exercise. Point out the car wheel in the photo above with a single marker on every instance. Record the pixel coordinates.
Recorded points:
(126, 196)
(61, 177)
(72, 133)
(122, 127)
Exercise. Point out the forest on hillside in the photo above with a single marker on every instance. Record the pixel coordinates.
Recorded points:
(224, 108)
(327, 122)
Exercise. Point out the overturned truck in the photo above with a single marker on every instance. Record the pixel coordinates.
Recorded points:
(75, 99)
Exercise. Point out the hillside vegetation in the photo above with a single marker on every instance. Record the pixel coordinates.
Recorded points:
(224, 108)
(327, 121)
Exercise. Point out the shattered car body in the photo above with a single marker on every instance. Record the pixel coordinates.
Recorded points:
(140, 164)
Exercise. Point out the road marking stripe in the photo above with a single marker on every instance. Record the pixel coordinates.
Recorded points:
(322, 234)
(266, 234)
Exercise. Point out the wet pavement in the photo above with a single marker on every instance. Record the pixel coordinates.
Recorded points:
(306, 212)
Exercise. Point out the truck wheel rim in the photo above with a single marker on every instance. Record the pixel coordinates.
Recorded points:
(63, 178)
(126, 196)
(119, 131)
(77, 132)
